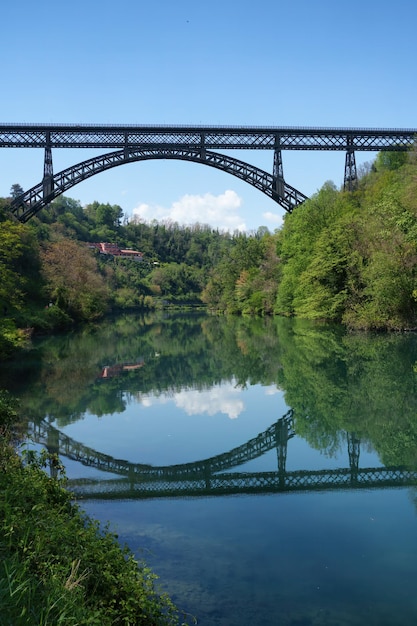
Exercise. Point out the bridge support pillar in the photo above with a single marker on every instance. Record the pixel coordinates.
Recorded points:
(278, 183)
(207, 475)
(203, 147)
(351, 177)
(282, 432)
(48, 171)
(52, 445)
(353, 451)
(126, 147)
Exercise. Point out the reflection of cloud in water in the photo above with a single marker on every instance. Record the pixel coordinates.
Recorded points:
(217, 400)
(271, 390)
(147, 401)
(224, 399)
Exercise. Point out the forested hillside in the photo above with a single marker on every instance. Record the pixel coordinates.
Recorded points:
(51, 275)
(342, 257)
(347, 257)
(352, 257)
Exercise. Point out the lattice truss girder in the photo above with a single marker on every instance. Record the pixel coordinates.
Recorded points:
(317, 480)
(214, 138)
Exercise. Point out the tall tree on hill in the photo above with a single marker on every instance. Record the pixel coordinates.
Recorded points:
(15, 191)
(73, 281)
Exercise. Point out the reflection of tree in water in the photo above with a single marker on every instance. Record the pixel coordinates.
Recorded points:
(362, 383)
(335, 381)
(180, 352)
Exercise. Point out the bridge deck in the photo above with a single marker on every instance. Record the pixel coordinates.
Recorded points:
(204, 137)
(247, 483)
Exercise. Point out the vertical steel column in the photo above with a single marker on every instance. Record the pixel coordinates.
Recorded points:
(131, 477)
(281, 435)
(203, 147)
(351, 177)
(126, 146)
(353, 451)
(207, 475)
(278, 183)
(52, 446)
(48, 172)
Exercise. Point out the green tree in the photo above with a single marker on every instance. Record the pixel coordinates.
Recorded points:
(16, 250)
(73, 281)
(176, 279)
(228, 284)
(19, 276)
(15, 191)
(104, 216)
(300, 234)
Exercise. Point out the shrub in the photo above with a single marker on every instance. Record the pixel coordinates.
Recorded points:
(57, 566)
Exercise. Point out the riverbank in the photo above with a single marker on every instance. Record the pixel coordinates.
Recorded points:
(57, 565)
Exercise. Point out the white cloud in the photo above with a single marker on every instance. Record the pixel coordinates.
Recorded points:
(148, 401)
(271, 390)
(275, 218)
(220, 211)
(225, 398)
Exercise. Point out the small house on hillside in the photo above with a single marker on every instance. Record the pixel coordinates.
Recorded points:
(112, 249)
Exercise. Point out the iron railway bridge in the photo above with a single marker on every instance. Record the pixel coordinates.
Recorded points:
(198, 144)
(212, 476)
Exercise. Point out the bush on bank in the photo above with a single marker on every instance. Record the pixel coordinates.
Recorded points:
(56, 565)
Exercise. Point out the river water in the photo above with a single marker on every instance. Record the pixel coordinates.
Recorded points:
(265, 470)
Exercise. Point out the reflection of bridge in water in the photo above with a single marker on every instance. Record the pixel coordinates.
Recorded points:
(210, 476)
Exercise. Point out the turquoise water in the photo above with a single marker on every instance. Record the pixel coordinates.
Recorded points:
(265, 509)
(279, 559)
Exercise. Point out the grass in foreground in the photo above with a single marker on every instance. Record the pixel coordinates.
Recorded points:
(56, 565)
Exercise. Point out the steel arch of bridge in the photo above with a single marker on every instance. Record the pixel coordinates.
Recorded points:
(39, 196)
(57, 442)
(191, 143)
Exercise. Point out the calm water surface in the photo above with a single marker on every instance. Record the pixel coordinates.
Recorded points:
(266, 471)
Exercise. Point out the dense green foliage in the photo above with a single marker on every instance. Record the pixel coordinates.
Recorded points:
(50, 278)
(352, 257)
(340, 257)
(246, 278)
(56, 565)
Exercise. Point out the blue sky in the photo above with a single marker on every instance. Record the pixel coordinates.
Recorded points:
(270, 62)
